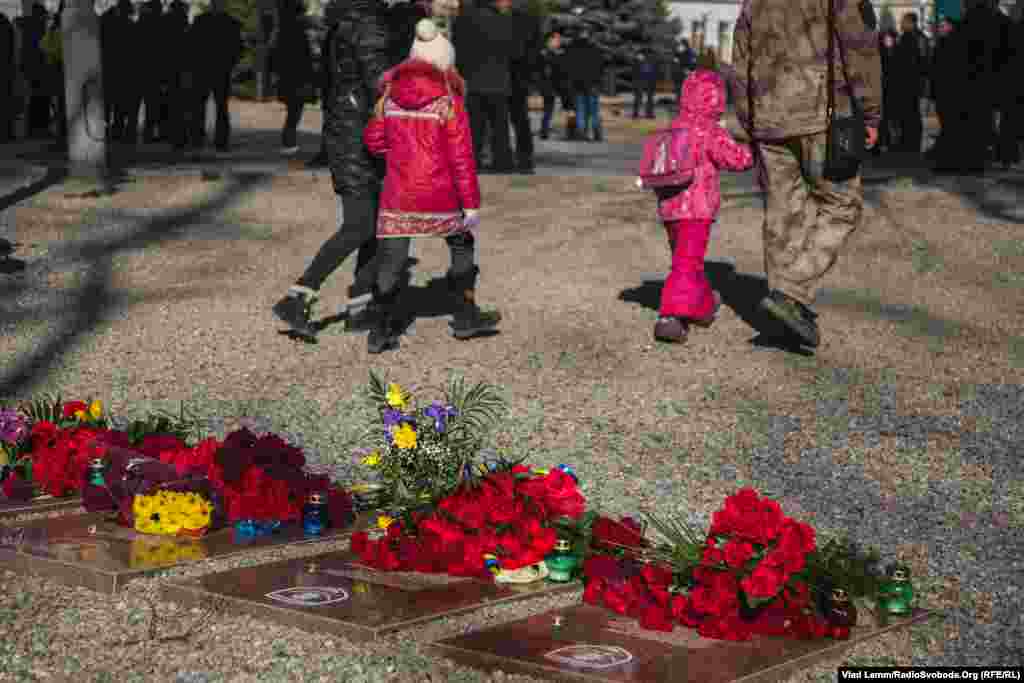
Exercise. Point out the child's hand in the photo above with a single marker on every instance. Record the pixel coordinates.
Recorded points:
(471, 219)
(639, 183)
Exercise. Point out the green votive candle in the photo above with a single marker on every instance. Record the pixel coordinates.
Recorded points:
(561, 563)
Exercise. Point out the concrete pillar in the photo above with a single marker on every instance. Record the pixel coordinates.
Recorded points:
(87, 147)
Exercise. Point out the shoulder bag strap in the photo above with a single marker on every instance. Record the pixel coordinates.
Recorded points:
(833, 38)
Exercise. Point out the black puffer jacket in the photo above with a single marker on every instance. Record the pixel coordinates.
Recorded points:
(360, 52)
(486, 42)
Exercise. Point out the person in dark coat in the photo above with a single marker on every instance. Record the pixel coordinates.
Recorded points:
(216, 43)
(585, 64)
(645, 81)
(320, 159)
(362, 49)
(524, 69)
(942, 69)
(153, 40)
(910, 71)
(1006, 79)
(7, 103)
(887, 41)
(684, 61)
(32, 29)
(551, 78)
(119, 48)
(485, 43)
(178, 111)
(293, 61)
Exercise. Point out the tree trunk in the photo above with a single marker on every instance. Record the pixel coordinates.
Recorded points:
(87, 149)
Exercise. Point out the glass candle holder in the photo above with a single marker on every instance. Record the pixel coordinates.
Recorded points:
(561, 563)
(314, 515)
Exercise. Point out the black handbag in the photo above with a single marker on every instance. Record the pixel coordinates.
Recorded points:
(846, 146)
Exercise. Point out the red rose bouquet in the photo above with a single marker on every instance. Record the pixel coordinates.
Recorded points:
(753, 573)
(507, 516)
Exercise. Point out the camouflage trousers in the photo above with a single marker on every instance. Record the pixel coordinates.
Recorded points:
(807, 218)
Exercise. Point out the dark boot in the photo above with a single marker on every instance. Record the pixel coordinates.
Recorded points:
(798, 318)
(295, 309)
(469, 320)
(386, 332)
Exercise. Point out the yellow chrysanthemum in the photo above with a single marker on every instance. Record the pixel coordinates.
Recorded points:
(405, 437)
(396, 396)
(80, 415)
(96, 409)
(373, 459)
(143, 506)
(194, 522)
(384, 521)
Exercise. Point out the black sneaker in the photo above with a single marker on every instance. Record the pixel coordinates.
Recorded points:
(798, 318)
(294, 310)
(385, 335)
(471, 321)
(363, 319)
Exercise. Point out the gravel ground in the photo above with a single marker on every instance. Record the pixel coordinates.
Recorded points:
(904, 430)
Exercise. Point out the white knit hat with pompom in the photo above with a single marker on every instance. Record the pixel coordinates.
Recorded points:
(431, 46)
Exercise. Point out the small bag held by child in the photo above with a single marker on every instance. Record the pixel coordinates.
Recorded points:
(668, 160)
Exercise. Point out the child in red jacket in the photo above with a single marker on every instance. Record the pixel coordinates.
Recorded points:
(430, 186)
(687, 297)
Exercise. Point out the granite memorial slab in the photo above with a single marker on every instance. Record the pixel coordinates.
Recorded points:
(334, 593)
(45, 503)
(586, 643)
(93, 551)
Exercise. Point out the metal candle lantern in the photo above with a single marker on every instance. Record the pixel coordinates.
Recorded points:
(314, 514)
(96, 473)
(896, 594)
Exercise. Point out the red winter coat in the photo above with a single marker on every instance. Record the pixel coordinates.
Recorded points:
(701, 105)
(425, 136)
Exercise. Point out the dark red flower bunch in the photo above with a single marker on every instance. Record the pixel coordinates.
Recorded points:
(259, 477)
(618, 537)
(748, 581)
(507, 515)
(60, 457)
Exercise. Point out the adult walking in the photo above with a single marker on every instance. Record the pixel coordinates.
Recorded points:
(684, 61)
(360, 52)
(153, 76)
(645, 82)
(910, 74)
(551, 79)
(178, 113)
(32, 29)
(943, 69)
(216, 44)
(293, 61)
(887, 41)
(586, 63)
(523, 70)
(324, 81)
(485, 42)
(780, 63)
(7, 99)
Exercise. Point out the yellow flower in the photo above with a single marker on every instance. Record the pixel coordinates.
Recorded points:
(373, 459)
(384, 521)
(194, 522)
(396, 396)
(80, 415)
(96, 409)
(142, 506)
(405, 437)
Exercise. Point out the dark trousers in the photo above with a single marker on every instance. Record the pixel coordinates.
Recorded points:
(295, 103)
(549, 112)
(519, 112)
(126, 114)
(7, 105)
(153, 101)
(39, 112)
(219, 85)
(490, 111)
(639, 92)
(179, 112)
(393, 252)
(911, 127)
(1007, 142)
(358, 231)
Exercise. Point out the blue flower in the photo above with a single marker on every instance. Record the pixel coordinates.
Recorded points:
(441, 414)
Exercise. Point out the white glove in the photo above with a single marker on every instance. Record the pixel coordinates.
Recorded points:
(639, 183)
(471, 219)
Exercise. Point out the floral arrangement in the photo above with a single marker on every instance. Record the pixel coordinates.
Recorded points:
(423, 454)
(756, 571)
(500, 521)
(46, 444)
(172, 513)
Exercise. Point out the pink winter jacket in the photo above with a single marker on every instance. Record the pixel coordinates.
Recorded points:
(701, 105)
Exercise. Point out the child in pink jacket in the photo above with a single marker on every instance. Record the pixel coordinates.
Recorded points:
(687, 297)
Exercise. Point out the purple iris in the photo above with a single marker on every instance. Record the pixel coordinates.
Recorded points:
(13, 427)
(441, 414)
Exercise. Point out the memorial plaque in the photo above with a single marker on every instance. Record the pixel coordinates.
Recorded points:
(585, 643)
(334, 593)
(12, 508)
(92, 550)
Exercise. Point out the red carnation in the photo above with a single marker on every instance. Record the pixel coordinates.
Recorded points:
(737, 553)
(657, 575)
(44, 435)
(797, 536)
(609, 533)
(359, 541)
(573, 505)
(593, 594)
(619, 598)
(656, 618)
(154, 444)
(765, 581)
(73, 407)
(16, 488)
(730, 627)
